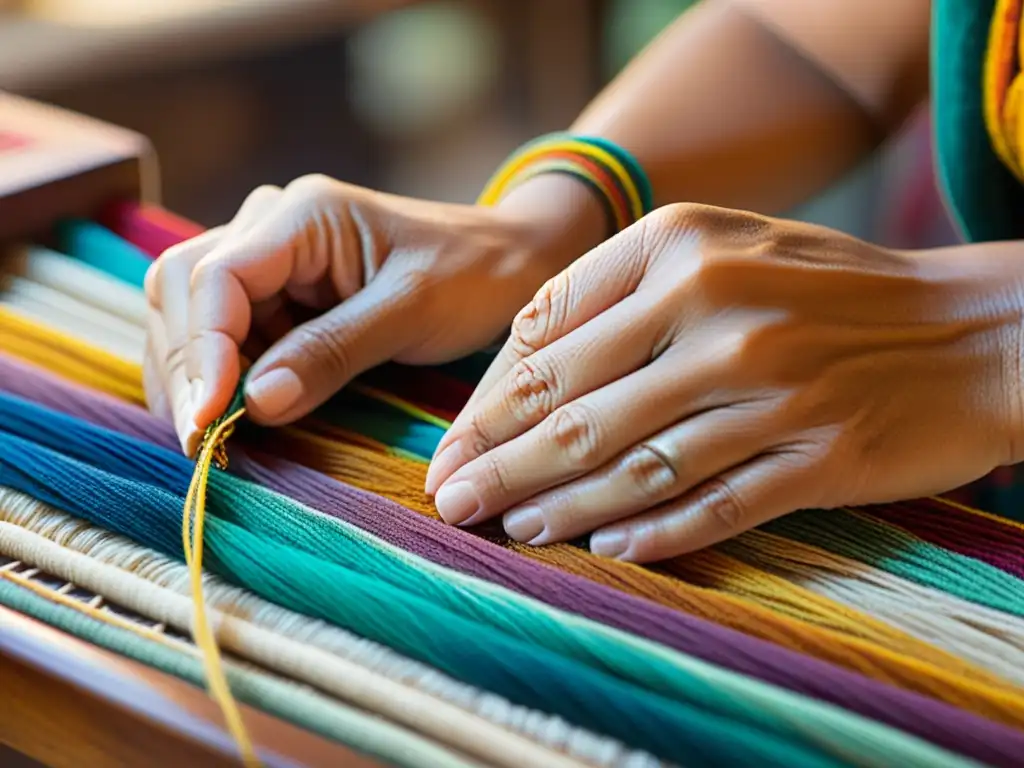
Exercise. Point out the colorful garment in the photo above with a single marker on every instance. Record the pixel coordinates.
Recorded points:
(976, 86)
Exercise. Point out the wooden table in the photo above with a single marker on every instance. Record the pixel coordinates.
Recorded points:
(68, 704)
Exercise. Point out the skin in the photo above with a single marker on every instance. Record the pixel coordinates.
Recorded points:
(705, 370)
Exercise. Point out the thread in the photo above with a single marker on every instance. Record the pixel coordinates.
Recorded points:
(41, 304)
(856, 536)
(989, 638)
(669, 623)
(270, 636)
(149, 228)
(193, 521)
(415, 626)
(315, 712)
(78, 281)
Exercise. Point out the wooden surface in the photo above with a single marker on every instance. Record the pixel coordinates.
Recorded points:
(69, 704)
(55, 43)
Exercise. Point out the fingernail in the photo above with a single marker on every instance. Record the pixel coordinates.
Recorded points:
(609, 543)
(443, 466)
(524, 524)
(196, 393)
(190, 439)
(273, 393)
(457, 502)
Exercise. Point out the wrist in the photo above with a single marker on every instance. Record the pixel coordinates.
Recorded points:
(564, 217)
(983, 287)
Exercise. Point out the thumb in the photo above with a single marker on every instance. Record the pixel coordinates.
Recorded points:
(316, 359)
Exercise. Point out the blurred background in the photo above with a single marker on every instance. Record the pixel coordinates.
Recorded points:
(420, 98)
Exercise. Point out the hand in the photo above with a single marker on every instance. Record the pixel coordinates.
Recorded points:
(385, 278)
(708, 370)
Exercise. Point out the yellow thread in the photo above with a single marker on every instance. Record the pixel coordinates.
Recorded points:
(213, 451)
(400, 404)
(980, 513)
(96, 613)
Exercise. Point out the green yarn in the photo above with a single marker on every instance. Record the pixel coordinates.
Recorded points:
(367, 604)
(895, 551)
(317, 713)
(855, 739)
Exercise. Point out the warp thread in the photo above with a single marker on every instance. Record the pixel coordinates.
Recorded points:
(315, 653)
(673, 626)
(415, 626)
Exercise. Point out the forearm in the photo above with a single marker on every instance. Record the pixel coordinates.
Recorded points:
(744, 104)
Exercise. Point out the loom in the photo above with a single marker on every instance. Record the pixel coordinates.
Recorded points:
(357, 629)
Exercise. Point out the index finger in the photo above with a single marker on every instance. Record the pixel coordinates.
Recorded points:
(589, 287)
(169, 291)
(269, 256)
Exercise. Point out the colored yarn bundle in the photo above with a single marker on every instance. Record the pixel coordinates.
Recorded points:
(847, 638)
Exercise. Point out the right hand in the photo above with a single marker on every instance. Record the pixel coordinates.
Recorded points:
(390, 278)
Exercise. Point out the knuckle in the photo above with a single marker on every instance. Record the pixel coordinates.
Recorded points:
(316, 186)
(416, 283)
(721, 502)
(575, 430)
(496, 475)
(207, 272)
(481, 439)
(318, 342)
(261, 193)
(539, 321)
(532, 391)
(176, 358)
(651, 472)
(674, 215)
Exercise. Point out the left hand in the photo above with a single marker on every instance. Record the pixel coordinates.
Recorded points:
(708, 370)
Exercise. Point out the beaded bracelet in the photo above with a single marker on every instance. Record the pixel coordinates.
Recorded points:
(606, 168)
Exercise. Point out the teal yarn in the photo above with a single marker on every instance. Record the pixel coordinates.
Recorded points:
(320, 714)
(675, 676)
(382, 422)
(523, 673)
(100, 248)
(902, 554)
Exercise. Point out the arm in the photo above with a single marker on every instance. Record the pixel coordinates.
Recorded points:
(750, 104)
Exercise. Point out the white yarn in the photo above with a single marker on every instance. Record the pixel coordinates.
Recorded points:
(353, 668)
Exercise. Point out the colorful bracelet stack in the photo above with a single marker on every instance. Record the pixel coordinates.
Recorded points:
(609, 170)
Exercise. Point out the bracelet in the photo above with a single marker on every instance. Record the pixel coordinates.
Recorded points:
(607, 169)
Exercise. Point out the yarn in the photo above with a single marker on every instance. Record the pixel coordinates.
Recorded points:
(100, 248)
(70, 358)
(995, 541)
(42, 304)
(853, 535)
(149, 228)
(315, 712)
(414, 626)
(621, 654)
(989, 638)
(193, 521)
(78, 281)
(304, 661)
(591, 599)
(400, 420)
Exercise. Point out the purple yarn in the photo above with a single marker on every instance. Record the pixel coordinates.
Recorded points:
(935, 721)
